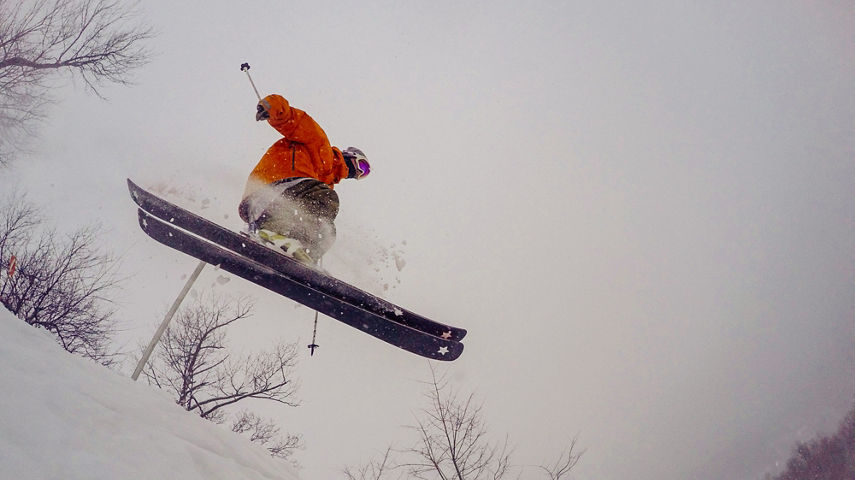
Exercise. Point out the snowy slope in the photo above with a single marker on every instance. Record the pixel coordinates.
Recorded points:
(66, 417)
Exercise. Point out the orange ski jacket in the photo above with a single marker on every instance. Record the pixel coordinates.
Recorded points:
(303, 151)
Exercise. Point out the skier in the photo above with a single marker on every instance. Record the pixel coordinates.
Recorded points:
(289, 201)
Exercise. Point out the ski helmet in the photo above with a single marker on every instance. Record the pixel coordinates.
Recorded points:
(358, 160)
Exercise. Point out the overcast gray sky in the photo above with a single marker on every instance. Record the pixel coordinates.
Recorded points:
(642, 211)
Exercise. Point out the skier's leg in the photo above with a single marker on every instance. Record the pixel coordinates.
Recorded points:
(283, 224)
(304, 212)
(321, 205)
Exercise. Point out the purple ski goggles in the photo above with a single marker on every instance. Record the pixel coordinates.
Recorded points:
(364, 168)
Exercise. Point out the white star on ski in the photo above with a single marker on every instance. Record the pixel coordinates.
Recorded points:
(443, 350)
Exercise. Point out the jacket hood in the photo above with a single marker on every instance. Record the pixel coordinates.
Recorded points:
(279, 107)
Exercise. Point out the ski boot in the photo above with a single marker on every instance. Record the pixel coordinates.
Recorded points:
(291, 246)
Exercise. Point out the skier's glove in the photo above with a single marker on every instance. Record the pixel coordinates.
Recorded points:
(262, 111)
(357, 165)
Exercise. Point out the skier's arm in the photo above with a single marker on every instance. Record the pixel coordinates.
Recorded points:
(293, 123)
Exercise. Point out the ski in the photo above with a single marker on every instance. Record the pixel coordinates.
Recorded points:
(394, 333)
(285, 265)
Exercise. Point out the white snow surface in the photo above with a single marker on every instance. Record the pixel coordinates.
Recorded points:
(67, 417)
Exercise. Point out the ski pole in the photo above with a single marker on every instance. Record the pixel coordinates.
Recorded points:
(312, 346)
(245, 68)
(165, 323)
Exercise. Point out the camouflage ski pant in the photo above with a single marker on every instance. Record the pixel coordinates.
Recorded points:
(303, 209)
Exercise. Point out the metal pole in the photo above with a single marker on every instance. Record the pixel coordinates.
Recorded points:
(312, 346)
(245, 68)
(166, 320)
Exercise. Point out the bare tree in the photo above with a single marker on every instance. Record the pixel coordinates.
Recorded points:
(18, 219)
(98, 41)
(564, 464)
(59, 284)
(373, 470)
(825, 457)
(194, 363)
(453, 439)
(265, 432)
(453, 444)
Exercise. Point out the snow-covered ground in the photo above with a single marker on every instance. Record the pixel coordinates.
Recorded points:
(66, 417)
